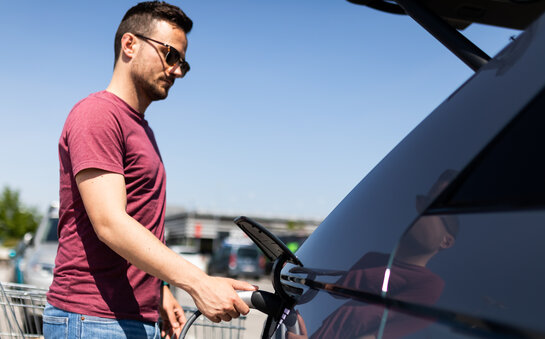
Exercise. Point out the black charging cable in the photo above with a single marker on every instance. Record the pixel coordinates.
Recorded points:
(189, 322)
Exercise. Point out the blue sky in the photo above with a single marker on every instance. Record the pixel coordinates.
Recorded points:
(288, 104)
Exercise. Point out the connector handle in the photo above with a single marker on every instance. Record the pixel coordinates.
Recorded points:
(266, 302)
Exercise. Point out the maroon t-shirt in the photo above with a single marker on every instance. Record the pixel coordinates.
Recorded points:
(410, 283)
(104, 132)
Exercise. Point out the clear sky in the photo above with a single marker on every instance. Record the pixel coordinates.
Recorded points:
(288, 104)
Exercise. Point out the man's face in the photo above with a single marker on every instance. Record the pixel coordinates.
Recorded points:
(151, 74)
(428, 235)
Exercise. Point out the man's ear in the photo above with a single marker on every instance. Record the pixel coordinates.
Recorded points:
(447, 242)
(128, 46)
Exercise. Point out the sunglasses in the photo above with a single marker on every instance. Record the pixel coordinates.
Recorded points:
(449, 221)
(172, 57)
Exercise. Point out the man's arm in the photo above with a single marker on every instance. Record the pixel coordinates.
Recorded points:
(105, 200)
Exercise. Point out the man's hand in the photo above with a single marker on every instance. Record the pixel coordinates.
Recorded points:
(172, 315)
(218, 300)
(302, 329)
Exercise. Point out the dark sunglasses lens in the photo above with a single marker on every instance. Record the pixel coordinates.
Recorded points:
(422, 202)
(172, 56)
(185, 67)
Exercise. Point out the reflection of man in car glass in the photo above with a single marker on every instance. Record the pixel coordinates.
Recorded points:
(408, 278)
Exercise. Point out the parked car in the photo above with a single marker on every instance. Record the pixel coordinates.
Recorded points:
(237, 260)
(444, 237)
(39, 254)
(17, 257)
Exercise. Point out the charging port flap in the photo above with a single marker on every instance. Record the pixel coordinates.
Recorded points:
(272, 247)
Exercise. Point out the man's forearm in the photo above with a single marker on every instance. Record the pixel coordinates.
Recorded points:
(105, 200)
(140, 247)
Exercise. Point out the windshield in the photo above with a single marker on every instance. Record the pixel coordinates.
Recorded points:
(51, 234)
(247, 252)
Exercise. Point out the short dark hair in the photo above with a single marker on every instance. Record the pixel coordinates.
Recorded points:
(141, 17)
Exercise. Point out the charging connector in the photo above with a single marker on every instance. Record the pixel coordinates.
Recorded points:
(263, 301)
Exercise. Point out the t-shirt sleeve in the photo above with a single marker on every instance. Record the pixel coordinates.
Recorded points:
(94, 137)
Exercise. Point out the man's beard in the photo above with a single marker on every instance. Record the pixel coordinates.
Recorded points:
(151, 89)
(410, 245)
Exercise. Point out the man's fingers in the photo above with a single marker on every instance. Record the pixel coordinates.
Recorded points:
(301, 323)
(233, 313)
(165, 329)
(241, 306)
(226, 317)
(180, 316)
(220, 302)
(242, 285)
(173, 326)
(173, 321)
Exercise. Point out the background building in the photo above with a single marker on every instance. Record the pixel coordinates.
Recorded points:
(205, 231)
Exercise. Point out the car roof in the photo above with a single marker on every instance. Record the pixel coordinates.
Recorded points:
(515, 14)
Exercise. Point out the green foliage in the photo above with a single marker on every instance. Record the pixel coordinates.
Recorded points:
(15, 218)
(295, 225)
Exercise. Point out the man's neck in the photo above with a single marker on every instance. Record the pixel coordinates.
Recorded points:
(124, 88)
(418, 259)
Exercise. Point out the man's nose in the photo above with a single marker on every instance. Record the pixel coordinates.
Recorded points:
(176, 70)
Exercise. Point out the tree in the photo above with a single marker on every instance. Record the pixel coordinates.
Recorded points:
(15, 218)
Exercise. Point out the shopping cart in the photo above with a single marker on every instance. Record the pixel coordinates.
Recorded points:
(203, 328)
(21, 309)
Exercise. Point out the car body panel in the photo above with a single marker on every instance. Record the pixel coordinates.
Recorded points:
(484, 280)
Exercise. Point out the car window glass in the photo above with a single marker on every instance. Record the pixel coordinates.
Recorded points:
(225, 251)
(508, 174)
(51, 235)
(247, 252)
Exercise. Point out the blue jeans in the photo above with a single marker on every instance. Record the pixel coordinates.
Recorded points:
(61, 324)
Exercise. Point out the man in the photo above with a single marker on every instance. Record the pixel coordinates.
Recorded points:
(111, 257)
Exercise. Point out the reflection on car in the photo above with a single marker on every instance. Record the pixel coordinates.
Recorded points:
(407, 278)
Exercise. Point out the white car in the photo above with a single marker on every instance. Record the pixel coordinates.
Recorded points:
(39, 256)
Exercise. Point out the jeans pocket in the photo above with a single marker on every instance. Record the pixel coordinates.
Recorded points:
(103, 328)
(55, 327)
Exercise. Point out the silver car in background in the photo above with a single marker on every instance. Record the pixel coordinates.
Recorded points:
(39, 255)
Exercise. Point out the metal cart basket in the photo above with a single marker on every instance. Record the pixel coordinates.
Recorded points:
(203, 328)
(21, 309)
